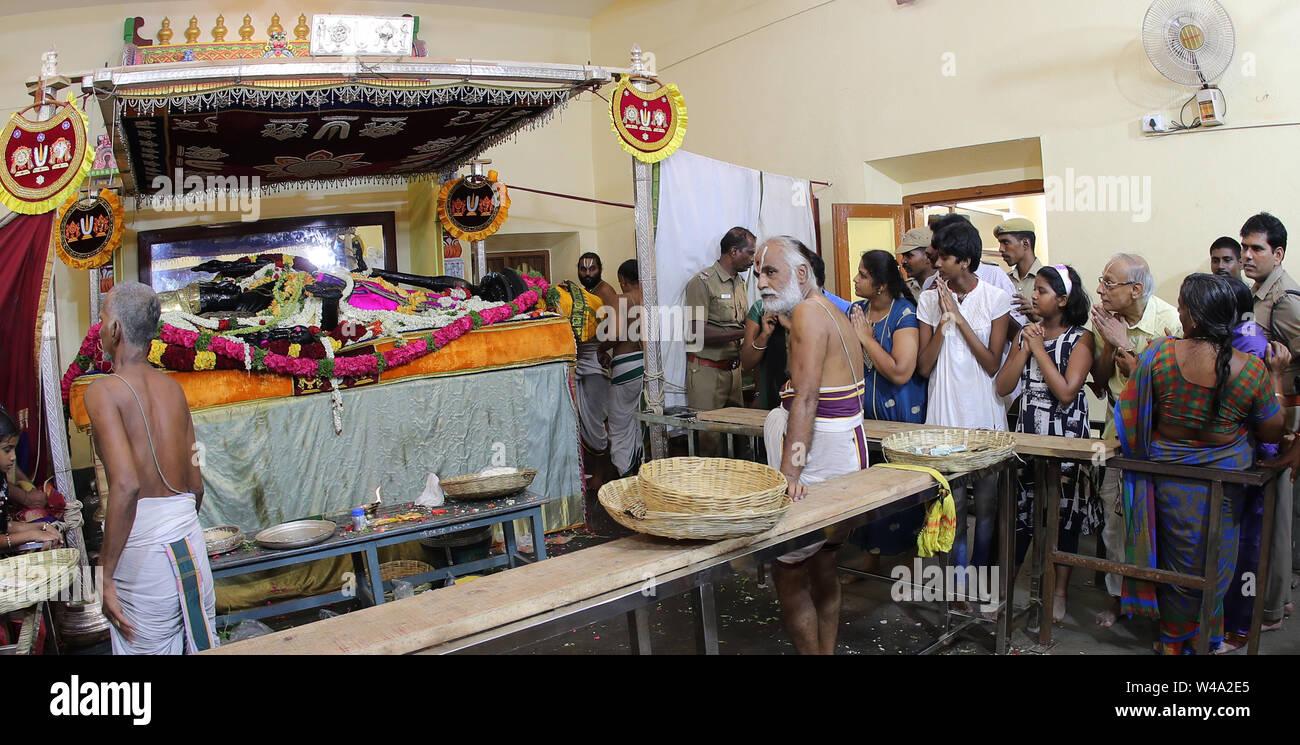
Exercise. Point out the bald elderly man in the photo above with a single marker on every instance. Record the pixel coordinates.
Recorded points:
(815, 434)
(1127, 320)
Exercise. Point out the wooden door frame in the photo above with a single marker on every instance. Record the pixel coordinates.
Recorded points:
(971, 194)
(840, 216)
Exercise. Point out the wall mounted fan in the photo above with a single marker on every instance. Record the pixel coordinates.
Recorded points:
(1191, 42)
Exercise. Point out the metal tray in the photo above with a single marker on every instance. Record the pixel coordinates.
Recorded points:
(297, 534)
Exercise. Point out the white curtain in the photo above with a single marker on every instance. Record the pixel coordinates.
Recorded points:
(700, 199)
(786, 210)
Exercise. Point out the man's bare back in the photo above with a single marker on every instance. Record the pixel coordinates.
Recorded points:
(817, 336)
(631, 306)
(606, 292)
(115, 417)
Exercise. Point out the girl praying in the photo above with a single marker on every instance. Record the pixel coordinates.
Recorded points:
(1051, 360)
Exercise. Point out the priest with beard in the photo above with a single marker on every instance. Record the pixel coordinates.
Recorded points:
(815, 434)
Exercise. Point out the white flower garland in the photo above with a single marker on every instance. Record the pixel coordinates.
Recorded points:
(336, 396)
(256, 277)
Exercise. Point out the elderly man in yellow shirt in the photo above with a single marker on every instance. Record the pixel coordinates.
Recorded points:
(1129, 319)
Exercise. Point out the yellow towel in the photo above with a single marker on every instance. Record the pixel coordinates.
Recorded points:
(940, 518)
(584, 317)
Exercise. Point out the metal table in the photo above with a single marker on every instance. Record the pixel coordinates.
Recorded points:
(364, 550)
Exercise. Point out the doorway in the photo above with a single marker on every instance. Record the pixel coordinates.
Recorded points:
(865, 227)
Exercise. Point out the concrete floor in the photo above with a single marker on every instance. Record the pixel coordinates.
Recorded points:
(749, 622)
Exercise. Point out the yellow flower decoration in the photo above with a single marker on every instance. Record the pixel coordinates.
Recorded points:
(336, 343)
(295, 350)
(205, 360)
(156, 349)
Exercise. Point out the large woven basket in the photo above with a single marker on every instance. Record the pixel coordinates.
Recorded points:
(622, 500)
(983, 448)
(401, 569)
(28, 579)
(473, 486)
(710, 486)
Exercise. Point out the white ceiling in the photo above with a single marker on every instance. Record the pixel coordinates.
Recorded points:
(574, 8)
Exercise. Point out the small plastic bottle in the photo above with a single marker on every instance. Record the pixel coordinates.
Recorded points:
(358, 518)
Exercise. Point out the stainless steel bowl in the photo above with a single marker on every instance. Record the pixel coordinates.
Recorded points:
(297, 534)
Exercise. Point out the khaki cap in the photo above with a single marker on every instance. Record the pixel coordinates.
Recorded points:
(914, 239)
(1015, 225)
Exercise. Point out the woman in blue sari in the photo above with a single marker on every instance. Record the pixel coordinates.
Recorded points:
(885, 320)
(1194, 401)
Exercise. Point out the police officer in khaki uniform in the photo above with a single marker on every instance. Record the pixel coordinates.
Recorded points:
(1277, 313)
(912, 257)
(1016, 240)
(713, 370)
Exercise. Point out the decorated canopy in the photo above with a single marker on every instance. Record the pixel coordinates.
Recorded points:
(271, 124)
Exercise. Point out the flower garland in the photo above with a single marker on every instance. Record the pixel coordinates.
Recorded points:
(185, 350)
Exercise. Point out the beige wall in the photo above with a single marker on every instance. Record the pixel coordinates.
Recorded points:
(556, 157)
(819, 93)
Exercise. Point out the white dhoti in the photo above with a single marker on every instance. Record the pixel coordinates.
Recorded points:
(164, 582)
(593, 396)
(838, 446)
(626, 377)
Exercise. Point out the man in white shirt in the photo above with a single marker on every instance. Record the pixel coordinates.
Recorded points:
(986, 272)
(995, 277)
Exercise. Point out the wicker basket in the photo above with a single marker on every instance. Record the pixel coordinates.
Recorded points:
(622, 500)
(710, 486)
(28, 579)
(474, 486)
(390, 571)
(218, 545)
(983, 448)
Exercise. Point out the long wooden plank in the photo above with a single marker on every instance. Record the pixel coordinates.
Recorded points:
(434, 618)
(1069, 448)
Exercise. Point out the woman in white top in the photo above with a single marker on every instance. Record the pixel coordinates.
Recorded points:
(963, 330)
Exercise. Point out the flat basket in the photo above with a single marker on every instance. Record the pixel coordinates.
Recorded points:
(473, 486)
(622, 500)
(710, 486)
(983, 448)
(28, 579)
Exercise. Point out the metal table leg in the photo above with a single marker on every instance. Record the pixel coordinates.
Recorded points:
(638, 631)
(706, 629)
(539, 534)
(373, 574)
(1036, 603)
(1051, 536)
(508, 532)
(1006, 589)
